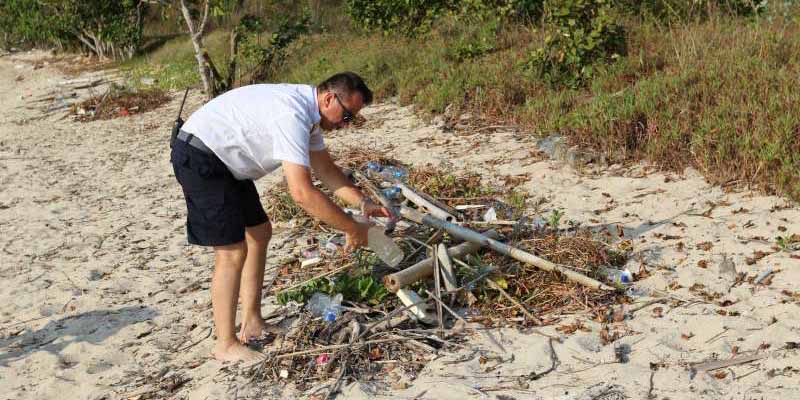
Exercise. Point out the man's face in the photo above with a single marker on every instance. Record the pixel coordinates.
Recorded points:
(338, 111)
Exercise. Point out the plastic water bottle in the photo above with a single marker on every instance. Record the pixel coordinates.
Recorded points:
(322, 305)
(392, 193)
(618, 277)
(393, 174)
(373, 170)
(383, 246)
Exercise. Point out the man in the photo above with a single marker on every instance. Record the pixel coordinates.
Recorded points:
(239, 137)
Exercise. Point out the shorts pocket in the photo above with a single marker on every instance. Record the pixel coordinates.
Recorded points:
(206, 208)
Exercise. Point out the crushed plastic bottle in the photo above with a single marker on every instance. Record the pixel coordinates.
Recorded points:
(618, 277)
(322, 305)
(393, 174)
(332, 246)
(490, 215)
(636, 292)
(383, 246)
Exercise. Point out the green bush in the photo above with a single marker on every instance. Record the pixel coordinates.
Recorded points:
(412, 17)
(27, 23)
(582, 33)
(408, 17)
(359, 289)
(686, 10)
(267, 57)
(106, 28)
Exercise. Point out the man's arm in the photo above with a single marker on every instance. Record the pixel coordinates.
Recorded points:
(312, 199)
(332, 177)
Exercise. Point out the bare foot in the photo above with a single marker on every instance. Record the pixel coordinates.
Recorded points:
(252, 329)
(235, 352)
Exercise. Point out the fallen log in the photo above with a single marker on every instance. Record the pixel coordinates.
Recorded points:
(500, 247)
(424, 268)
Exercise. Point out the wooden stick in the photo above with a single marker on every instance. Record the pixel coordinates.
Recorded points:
(717, 364)
(508, 297)
(446, 268)
(513, 252)
(337, 346)
(437, 277)
(458, 317)
(322, 275)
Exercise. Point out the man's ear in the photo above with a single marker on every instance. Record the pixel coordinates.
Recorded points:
(327, 98)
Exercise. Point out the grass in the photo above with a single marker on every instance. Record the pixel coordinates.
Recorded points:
(716, 95)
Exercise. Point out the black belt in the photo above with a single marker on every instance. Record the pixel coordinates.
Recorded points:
(193, 141)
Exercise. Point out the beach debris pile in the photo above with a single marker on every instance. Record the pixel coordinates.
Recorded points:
(352, 317)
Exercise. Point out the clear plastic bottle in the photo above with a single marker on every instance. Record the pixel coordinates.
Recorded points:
(383, 246)
(392, 193)
(322, 305)
(373, 169)
(618, 277)
(393, 174)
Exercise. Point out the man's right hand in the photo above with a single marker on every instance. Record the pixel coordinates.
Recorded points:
(357, 237)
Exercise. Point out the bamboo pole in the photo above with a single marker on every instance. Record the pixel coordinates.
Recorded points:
(424, 268)
(513, 252)
(423, 203)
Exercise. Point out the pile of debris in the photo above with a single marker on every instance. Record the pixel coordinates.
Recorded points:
(119, 101)
(472, 255)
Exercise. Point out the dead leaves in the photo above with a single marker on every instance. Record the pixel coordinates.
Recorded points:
(658, 312)
(608, 336)
(757, 255)
(513, 181)
(705, 246)
(569, 329)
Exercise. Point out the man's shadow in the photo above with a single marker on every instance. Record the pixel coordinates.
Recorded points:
(90, 327)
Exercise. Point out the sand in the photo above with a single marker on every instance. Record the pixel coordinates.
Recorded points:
(102, 297)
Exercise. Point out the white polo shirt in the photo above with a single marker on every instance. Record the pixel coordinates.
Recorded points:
(252, 129)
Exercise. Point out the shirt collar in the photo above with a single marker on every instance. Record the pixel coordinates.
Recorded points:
(313, 108)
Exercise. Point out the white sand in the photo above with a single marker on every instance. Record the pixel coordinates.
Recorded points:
(94, 263)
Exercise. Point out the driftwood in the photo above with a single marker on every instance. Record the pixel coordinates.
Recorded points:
(513, 252)
(424, 268)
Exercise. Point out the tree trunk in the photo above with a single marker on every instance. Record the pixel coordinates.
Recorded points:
(196, 34)
(234, 51)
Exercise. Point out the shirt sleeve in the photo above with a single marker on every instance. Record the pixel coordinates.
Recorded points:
(316, 143)
(291, 140)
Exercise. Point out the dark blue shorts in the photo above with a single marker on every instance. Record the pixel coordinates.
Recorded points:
(219, 206)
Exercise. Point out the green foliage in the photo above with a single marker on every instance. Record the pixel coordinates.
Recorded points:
(408, 17)
(517, 200)
(413, 17)
(360, 289)
(480, 38)
(682, 10)
(106, 28)
(266, 58)
(27, 23)
(555, 219)
(582, 33)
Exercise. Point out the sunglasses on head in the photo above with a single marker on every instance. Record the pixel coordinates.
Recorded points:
(347, 116)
